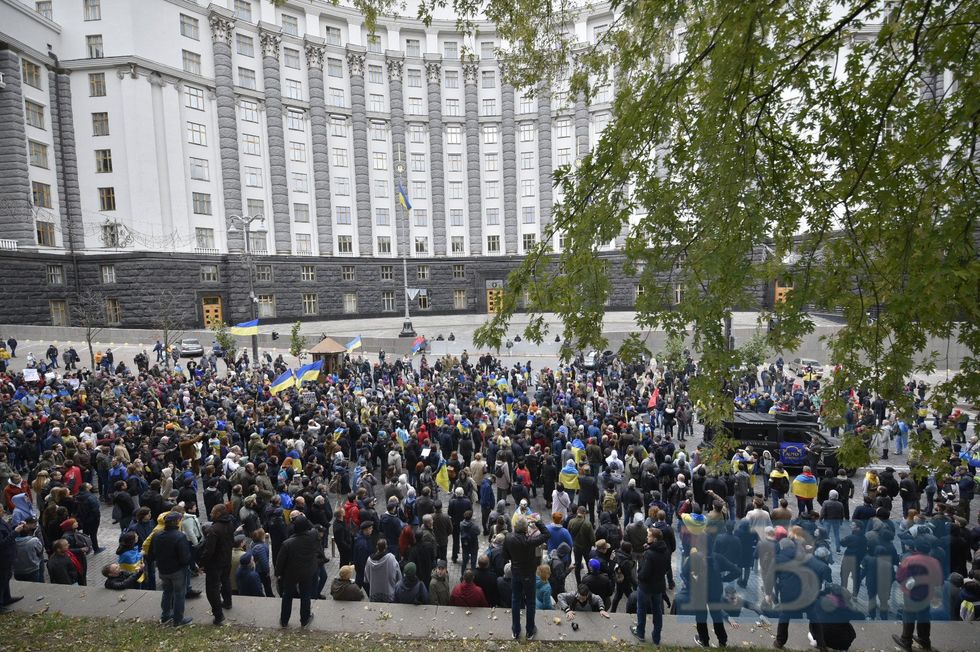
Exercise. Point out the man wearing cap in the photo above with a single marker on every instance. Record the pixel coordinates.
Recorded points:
(171, 551)
(520, 549)
(439, 586)
(362, 550)
(598, 581)
(459, 504)
(297, 564)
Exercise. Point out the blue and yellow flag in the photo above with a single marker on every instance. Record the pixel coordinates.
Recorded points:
(569, 475)
(310, 372)
(578, 449)
(442, 476)
(283, 382)
(805, 486)
(354, 344)
(403, 198)
(245, 328)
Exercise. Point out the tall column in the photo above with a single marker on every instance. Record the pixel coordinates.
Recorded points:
(279, 184)
(66, 160)
(509, 142)
(222, 28)
(433, 76)
(474, 190)
(16, 221)
(396, 69)
(315, 51)
(545, 168)
(362, 168)
(160, 145)
(581, 127)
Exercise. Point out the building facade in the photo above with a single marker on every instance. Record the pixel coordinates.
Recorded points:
(134, 131)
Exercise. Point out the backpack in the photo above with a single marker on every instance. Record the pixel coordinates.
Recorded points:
(610, 503)
(499, 470)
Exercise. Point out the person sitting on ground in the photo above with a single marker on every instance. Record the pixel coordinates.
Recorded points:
(467, 594)
(344, 588)
(581, 600)
(116, 579)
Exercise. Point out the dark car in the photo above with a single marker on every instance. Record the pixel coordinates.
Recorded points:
(785, 435)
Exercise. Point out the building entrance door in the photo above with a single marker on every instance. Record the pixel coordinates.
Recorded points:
(212, 312)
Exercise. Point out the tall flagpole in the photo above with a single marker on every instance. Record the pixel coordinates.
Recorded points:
(407, 329)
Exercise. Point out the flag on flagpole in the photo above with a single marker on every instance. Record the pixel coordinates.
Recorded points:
(419, 344)
(283, 382)
(310, 372)
(442, 476)
(403, 198)
(354, 344)
(245, 328)
(569, 475)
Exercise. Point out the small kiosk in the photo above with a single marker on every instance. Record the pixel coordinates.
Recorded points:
(331, 353)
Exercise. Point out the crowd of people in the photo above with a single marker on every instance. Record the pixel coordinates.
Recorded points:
(567, 489)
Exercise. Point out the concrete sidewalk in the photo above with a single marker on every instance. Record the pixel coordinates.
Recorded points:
(402, 621)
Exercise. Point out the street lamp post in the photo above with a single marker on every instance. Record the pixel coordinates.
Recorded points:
(245, 223)
(407, 329)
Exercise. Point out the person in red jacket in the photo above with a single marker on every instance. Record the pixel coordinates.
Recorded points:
(467, 594)
(72, 477)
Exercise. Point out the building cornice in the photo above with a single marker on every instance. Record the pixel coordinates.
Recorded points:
(139, 66)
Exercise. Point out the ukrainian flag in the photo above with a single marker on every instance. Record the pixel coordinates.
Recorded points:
(569, 475)
(245, 328)
(403, 198)
(354, 344)
(284, 381)
(694, 523)
(805, 486)
(578, 449)
(310, 372)
(442, 476)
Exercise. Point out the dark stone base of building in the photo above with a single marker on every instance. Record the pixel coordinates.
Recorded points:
(145, 283)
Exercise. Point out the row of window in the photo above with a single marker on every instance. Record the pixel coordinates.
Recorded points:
(41, 196)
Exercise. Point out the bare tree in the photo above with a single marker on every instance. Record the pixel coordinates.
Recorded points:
(89, 312)
(170, 317)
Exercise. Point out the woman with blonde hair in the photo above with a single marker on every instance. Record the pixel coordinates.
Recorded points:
(542, 588)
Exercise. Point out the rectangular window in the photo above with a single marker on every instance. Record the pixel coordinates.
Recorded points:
(378, 131)
(486, 50)
(455, 189)
(251, 145)
(197, 134)
(342, 186)
(493, 216)
(40, 194)
(338, 127)
(92, 9)
(310, 305)
(350, 302)
(489, 78)
(414, 78)
(413, 47)
(246, 78)
(290, 58)
(493, 244)
(423, 300)
(526, 105)
(96, 84)
(375, 74)
(301, 213)
(381, 217)
(34, 113)
(243, 10)
(384, 245)
(59, 312)
(103, 160)
(417, 133)
(459, 300)
(381, 188)
(93, 44)
(107, 199)
(452, 79)
(528, 214)
(297, 152)
(245, 45)
(457, 244)
(526, 131)
(374, 44)
(294, 89)
(421, 217)
(336, 97)
(335, 68)
(380, 161)
(201, 202)
(200, 169)
(489, 106)
(456, 217)
(44, 8)
(490, 162)
(490, 134)
(38, 154)
(209, 273)
(527, 187)
(455, 162)
(415, 106)
(190, 27)
(459, 271)
(422, 272)
(492, 189)
(267, 305)
(340, 157)
(304, 244)
(450, 50)
(295, 120)
(56, 274)
(308, 273)
(253, 177)
(45, 234)
(419, 190)
(387, 273)
(528, 240)
(387, 301)
(564, 155)
(342, 213)
(194, 98)
(332, 35)
(204, 238)
(248, 110)
(452, 107)
(263, 273)
(113, 312)
(258, 242)
(100, 124)
(454, 135)
(31, 73)
(192, 62)
(290, 25)
(418, 162)
(527, 160)
(564, 128)
(347, 272)
(108, 274)
(421, 244)
(255, 207)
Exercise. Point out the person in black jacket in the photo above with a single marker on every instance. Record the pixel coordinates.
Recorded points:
(296, 570)
(171, 551)
(652, 584)
(89, 514)
(216, 561)
(588, 492)
(519, 549)
(8, 553)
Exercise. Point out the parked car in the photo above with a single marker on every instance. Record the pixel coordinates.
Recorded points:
(799, 366)
(190, 348)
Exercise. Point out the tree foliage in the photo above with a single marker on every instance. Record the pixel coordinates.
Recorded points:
(716, 455)
(227, 342)
(754, 351)
(297, 344)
